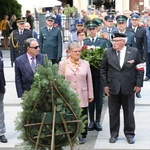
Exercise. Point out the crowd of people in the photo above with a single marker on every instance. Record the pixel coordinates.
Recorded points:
(125, 40)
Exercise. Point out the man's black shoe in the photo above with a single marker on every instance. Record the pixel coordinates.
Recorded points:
(98, 126)
(112, 140)
(138, 95)
(130, 140)
(146, 78)
(3, 139)
(91, 126)
(82, 140)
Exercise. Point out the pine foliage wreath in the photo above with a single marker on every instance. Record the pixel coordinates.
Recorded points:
(48, 90)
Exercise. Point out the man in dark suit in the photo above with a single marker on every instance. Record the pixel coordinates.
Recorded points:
(122, 77)
(51, 40)
(2, 92)
(140, 39)
(25, 66)
(97, 103)
(17, 40)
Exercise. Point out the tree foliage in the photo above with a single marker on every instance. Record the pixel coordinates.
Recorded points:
(9, 7)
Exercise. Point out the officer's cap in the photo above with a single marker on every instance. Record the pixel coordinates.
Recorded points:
(116, 35)
(109, 17)
(79, 21)
(91, 24)
(50, 16)
(99, 21)
(121, 18)
(135, 16)
(111, 12)
(21, 20)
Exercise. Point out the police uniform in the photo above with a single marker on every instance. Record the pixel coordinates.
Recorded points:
(130, 35)
(17, 40)
(50, 41)
(73, 35)
(97, 87)
(107, 29)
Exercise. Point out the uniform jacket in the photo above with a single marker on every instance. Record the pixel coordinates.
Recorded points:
(125, 78)
(81, 80)
(20, 39)
(24, 74)
(140, 38)
(2, 77)
(51, 42)
(148, 39)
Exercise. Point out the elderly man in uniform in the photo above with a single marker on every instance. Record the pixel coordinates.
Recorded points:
(50, 40)
(122, 25)
(17, 40)
(122, 77)
(73, 36)
(97, 103)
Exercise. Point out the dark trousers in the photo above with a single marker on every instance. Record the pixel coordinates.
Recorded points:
(98, 99)
(128, 104)
(148, 65)
(85, 112)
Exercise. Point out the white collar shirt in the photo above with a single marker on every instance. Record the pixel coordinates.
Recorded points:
(122, 56)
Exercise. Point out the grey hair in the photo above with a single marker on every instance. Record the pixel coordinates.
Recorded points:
(74, 45)
(28, 42)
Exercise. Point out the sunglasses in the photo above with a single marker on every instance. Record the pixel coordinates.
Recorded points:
(35, 47)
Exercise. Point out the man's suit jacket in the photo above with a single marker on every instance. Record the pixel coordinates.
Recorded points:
(2, 77)
(81, 80)
(20, 39)
(51, 42)
(24, 73)
(125, 78)
(140, 39)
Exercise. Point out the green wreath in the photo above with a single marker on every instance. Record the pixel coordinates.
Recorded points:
(50, 96)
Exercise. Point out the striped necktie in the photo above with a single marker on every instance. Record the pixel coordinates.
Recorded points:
(33, 65)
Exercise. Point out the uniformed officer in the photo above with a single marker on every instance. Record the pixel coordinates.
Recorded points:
(50, 40)
(122, 25)
(73, 36)
(17, 40)
(97, 103)
(109, 25)
(140, 38)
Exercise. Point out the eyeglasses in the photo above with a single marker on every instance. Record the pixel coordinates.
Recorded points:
(35, 47)
(76, 51)
(117, 40)
(50, 20)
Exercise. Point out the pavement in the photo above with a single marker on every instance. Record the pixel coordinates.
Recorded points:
(95, 140)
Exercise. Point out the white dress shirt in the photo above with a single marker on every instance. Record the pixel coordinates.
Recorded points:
(122, 56)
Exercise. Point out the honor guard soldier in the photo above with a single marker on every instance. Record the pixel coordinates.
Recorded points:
(122, 25)
(73, 36)
(97, 103)
(140, 38)
(17, 39)
(51, 40)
